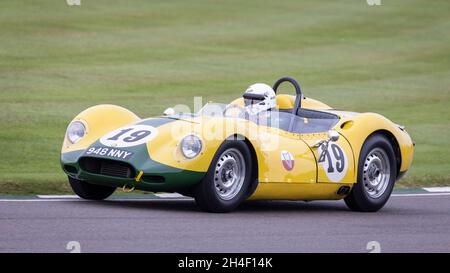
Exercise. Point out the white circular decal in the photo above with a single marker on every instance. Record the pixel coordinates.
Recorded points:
(129, 136)
(334, 161)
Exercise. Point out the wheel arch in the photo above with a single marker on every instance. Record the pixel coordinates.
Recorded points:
(359, 128)
(395, 146)
(254, 161)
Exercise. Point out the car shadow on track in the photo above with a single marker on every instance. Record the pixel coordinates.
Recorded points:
(248, 206)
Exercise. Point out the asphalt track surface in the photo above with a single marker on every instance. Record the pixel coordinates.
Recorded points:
(408, 223)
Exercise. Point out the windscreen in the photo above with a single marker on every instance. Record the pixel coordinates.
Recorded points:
(280, 119)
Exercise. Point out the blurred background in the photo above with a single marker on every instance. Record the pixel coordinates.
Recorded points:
(56, 60)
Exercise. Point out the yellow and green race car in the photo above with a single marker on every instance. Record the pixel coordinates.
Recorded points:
(224, 154)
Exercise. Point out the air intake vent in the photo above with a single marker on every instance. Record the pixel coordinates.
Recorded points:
(107, 167)
(70, 169)
(112, 169)
(153, 179)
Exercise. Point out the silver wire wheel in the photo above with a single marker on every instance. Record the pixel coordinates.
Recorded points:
(376, 173)
(229, 174)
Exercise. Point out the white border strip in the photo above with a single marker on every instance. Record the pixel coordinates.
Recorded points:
(169, 195)
(58, 197)
(437, 189)
(420, 194)
(160, 195)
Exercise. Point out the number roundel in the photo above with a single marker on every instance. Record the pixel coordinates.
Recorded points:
(334, 162)
(129, 136)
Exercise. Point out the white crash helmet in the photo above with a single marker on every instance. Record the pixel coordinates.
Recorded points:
(259, 97)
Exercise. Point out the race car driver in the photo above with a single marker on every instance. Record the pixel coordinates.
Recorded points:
(259, 97)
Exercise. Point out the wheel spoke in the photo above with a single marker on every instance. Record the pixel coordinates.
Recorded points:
(229, 175)
(376, 173)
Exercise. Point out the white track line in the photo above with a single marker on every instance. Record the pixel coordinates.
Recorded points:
(437, 189)
(58, 196)
(169, 195)
(160, 195)
(420, 194)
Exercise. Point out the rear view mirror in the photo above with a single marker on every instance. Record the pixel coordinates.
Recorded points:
(169, 112)
(333, 135)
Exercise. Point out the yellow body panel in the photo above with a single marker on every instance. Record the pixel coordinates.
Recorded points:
(99, 120)
(358, 128)
(289, 191)
(348, 175)
(267, 143)
(270, 164)
(166, 149)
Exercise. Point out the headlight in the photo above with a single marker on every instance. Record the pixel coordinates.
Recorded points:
(75, 131)
(191, 146)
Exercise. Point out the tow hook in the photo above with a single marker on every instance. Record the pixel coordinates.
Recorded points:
(137, 179)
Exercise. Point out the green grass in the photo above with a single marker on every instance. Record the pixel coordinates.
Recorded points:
(56, 60)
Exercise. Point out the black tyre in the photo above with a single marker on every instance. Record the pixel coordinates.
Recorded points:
(89, 191)
(376, 175)
(226, 184)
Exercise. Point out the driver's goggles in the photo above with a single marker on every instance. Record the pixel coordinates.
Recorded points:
(251, 101)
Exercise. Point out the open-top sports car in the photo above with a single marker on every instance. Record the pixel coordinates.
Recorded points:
(260, 146)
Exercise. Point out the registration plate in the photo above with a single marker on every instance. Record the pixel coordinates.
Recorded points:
(109, 152)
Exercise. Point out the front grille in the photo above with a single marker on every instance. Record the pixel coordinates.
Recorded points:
(107, 167)
(112, 169)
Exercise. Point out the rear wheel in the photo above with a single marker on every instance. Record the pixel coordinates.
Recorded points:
(376, 176)
(89, 191)
(227, 181)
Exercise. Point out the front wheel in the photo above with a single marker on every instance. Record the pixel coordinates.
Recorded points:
(376, 176)
(89, 191)
(227, 181)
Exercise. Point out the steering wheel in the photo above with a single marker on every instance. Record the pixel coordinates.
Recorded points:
(298, 91)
